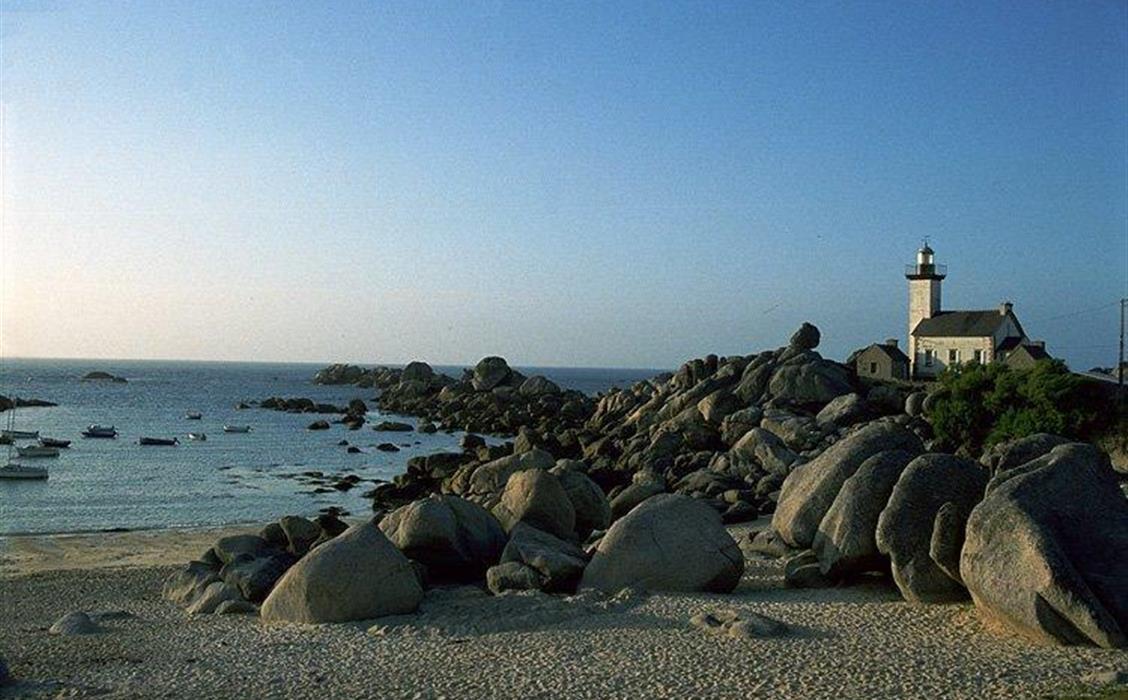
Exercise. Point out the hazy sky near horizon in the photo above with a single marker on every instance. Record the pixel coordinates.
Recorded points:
(608, 184)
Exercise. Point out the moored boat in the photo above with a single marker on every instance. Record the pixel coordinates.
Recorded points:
(193, 415)
(37, 451)
(18, 471)
(167, 442)
(54, 442)
(236, 428)
(197, 436)
(100, 431)
(20, 434)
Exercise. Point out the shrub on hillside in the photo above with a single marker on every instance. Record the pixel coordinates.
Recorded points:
(979, 405)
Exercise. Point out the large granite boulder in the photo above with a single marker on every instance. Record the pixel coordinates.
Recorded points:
(670, 542)
(254, 577)
(809, 381)
(535, 497)
(766, 449)
(1046, 551)
(1015, 453)
(538, 385)
(492, 477)
(357, 575)
(593, 510)
(810, 489)
(644, 484)
(490, 372)
(417, 371)
(558, 563)
(905, 527)
(844, 410)
(846, 541)
(455, 539)
(806, 338)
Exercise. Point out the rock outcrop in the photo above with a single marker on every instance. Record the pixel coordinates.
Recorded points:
(1046, 550)
(455, 539)
(356, 576)
(669, 543)
(905, 527)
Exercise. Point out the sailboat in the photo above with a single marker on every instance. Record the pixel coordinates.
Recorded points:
(14, 470)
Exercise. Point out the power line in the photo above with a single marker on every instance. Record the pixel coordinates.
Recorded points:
(1075, 313)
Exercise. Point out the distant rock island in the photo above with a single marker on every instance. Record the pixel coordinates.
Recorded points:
(100, 376)
(6, 403)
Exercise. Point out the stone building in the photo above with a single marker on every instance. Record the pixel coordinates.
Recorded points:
(939, 338)
(882, 361)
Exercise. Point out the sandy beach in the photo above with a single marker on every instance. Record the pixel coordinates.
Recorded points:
(856, 642)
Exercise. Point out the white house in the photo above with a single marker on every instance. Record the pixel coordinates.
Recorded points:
(939, 338)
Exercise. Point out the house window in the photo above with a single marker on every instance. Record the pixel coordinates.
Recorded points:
(873, 368)
(979, 356)
(953, 357)
(928, 355)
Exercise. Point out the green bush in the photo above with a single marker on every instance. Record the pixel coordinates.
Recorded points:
(979, 405)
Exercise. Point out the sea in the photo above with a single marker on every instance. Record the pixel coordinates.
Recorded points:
(101, 484)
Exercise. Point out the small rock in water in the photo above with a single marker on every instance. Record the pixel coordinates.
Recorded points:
(353, 449)
(75, 623)
(343, 443)
(387, 447)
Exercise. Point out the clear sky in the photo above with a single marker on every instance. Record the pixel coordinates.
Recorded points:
(611, 184)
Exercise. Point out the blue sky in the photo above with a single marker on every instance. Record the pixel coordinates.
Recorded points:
(613, 184)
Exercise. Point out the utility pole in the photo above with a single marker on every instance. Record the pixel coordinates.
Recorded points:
(1120, 361)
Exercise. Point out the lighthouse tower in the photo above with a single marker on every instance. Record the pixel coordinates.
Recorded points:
(924, 291)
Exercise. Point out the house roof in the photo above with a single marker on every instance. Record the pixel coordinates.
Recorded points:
(1036, 352)
(960, 324)
(1008, 345)
(891, 351)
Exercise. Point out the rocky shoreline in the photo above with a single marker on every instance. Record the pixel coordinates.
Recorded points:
(631, 490)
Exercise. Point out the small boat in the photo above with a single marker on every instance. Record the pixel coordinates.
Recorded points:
(12, 470)
(197, 436)
(193, 415)
(236, 428)
(166, 442)
(53, 442)
(20, 434)
(100, 431)
(36, 451)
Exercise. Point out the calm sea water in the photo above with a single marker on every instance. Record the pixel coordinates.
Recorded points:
(103, 484)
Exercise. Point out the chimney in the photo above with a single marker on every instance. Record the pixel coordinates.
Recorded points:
(1005, 308)
(891, 342)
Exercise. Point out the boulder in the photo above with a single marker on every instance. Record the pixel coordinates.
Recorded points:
(947, 539)
(455, 539)
(645, 484)
(806, 338)
(559, 563)
(810, 489)
(228, 548)
(670, 542)
(802, 570)
(417, 371)
(914, 403)
(236, 607)
(300, 534)
(253, 578)
(492, 477)
(843, 411)
(1045, 550)
(212, 597)
(393, 427)
(904, 529)
(186, 585)
(1015, 453)
(813, 382)
(766, 449)
(536, 497)
(355, 576)
(537, 385)
(846, 543)
(75, 623)
(489, 373)
(593, 511)
(512, 576)
(318, 425)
